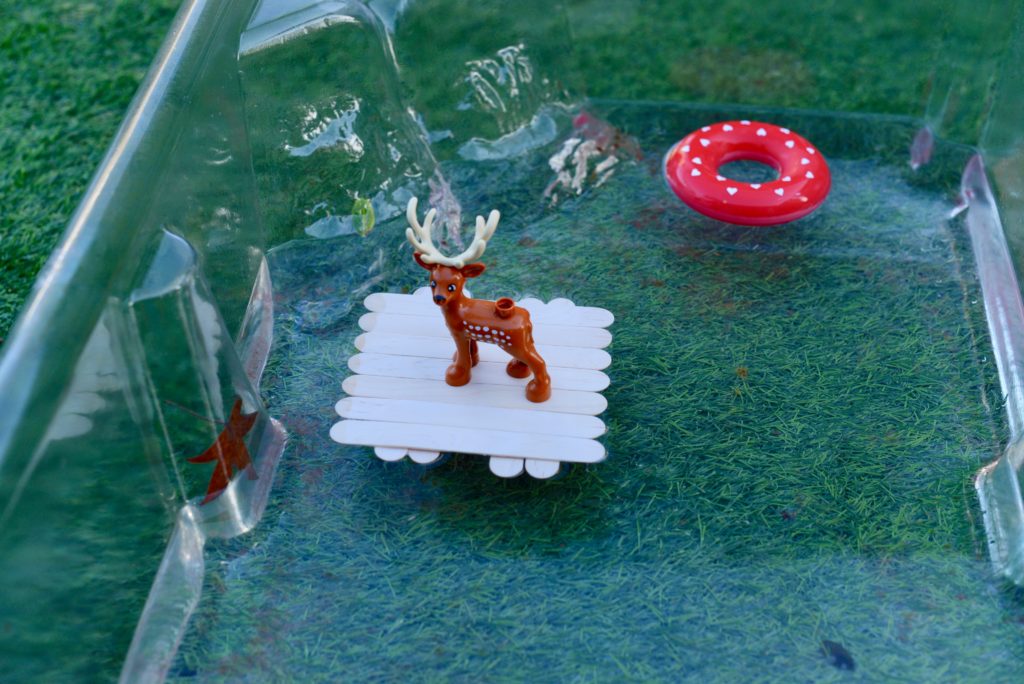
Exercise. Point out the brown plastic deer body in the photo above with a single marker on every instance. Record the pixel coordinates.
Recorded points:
(471, 321)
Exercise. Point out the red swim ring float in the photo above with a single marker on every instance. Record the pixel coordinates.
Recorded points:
(692, 164)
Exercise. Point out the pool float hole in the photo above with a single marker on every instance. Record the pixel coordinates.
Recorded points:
(746, 170)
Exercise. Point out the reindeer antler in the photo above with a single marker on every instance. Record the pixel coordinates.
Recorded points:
(419, 237)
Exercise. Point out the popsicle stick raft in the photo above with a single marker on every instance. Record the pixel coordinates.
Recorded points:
(399, 403)
(408, 399)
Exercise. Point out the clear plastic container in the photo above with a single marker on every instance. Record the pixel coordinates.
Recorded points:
(813, 430)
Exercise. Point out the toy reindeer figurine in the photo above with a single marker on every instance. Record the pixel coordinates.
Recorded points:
(476, 320)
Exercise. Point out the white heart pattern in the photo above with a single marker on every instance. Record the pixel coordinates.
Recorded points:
(778, 191)
(790, 144)
(732, 191)
(810, 175)
(686, 148)
(726, 127)
(705, 142)
(696, 160)
(761, 132)
(756, 186)
(805, 161)
(695, 172)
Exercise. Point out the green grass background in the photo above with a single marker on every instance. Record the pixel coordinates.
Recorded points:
(67, 72)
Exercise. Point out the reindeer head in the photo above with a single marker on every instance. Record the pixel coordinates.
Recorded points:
(447, 274)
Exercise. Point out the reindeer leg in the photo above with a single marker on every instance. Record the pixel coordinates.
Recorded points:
(538, 389)
(525, 360)
(458, 373)
(517, 368)
(474, 352)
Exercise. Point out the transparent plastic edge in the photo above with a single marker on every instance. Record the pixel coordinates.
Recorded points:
(20, 360)
(280, 29)
(178, 584)
(998, 483)
(161, 626)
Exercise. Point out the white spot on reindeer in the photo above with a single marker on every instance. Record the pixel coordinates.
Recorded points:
(790, 144)
(705, 142)
(732, 191)
(745, 122)
(805, 161)
(779, 191)
(695, 172)
(787, 178)
(696, 160)
(810, 174)
(706, 128)
(720, 178)
(756, 186)
(761, 132)
(785, 130)
(726, 127)
(810, 150)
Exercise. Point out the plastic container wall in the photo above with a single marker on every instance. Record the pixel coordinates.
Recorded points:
(993, 187)
(126, 361)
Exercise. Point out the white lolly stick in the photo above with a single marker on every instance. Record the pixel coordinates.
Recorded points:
(557, 335)
(444, 348)
(423, 457)
(390, 454)
(473, 394)
(468, 440)
(506, 467)
(480, 417)
(541, 470)
(485, 372)
(557, 311)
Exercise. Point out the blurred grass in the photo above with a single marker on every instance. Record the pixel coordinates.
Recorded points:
(934, 58)
(67, 71)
